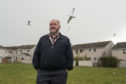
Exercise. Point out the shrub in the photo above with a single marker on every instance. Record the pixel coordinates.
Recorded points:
(109, 61)
(78, 58)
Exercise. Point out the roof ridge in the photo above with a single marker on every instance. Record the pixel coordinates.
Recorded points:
(94, 42)
(92, 45)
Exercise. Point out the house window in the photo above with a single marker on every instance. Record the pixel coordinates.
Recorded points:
(94, 50)
(76, 51)
(28, 50)
(16, 51)
(10, 51)
(22, 58)
(124, 51)
(20, 50)
(95, 58)
(89, 50)
(81, 50)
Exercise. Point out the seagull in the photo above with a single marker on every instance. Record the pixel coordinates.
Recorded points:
(29, 22)
(71, 16)
(114, 34)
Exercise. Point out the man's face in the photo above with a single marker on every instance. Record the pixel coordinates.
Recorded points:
(54, 26)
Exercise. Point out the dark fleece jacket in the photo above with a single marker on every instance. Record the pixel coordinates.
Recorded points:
(53, 57)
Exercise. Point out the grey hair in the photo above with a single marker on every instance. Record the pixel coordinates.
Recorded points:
(56, 20)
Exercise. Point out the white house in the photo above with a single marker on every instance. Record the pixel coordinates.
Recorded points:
(1, 53)
(119, 51)
(11, 53)
(23, 53)
(93, 51)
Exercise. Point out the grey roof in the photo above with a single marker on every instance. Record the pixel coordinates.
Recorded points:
(1, 46)
(91, 45)
(27, 54)
(27, 46)
(20, 47)
(12, 47)
(120, 45)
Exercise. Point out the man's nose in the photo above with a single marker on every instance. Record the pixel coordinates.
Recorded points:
(52, 25)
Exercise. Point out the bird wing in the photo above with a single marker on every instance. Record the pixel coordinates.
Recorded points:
(73, 11)
(73, 17)
(69, 20)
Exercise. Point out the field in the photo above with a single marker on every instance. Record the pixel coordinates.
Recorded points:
(25, 74)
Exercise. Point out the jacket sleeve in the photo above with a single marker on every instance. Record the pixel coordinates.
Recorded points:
(36, 55)
(69, 55)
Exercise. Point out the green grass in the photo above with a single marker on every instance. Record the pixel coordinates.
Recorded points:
(25, 74)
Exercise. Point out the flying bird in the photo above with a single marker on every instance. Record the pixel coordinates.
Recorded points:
(114, 34)
(71, 16)
(28, 22)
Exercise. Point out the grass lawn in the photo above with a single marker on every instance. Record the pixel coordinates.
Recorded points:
(25, 74)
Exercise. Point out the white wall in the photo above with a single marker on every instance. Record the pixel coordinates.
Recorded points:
(2, 52)
(85, 63)
(108, 49)
(118, 53)
(122, 64)
(91, 54)
(27, 61)
(0, 59)
(95, 54)
(32, 51)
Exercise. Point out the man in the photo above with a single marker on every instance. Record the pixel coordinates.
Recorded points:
(53, 57)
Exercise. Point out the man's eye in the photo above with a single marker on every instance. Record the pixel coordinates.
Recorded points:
(53, 24)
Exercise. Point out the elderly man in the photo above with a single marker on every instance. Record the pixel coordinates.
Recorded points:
(53, 57)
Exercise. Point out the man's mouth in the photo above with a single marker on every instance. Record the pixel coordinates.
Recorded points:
(53, 28)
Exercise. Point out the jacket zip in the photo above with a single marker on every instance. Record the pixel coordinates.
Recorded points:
(51, 42)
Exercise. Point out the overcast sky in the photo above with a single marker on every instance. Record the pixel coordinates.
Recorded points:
(97, 20)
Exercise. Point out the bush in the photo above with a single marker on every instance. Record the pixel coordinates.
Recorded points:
(87, 58)
(78, 58)
(82, 58)
(108, 61)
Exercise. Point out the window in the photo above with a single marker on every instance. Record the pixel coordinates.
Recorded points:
(22, 58)
(20, 50)
(10, 52)
(94, 50)
(76, 51)
(81, 50)
(95, 58)
(124, 51)
(16, 51)
(89, 50)
(28, 50)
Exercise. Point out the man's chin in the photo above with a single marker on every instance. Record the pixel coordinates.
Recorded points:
(53, 32)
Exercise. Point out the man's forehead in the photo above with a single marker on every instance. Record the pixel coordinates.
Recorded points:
(53, 21)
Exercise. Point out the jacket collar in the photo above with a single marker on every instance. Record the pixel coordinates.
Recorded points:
(60, 35)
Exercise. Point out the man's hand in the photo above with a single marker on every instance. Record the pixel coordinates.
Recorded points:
(67, 71)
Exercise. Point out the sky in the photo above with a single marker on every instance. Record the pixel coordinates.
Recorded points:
(96, 20)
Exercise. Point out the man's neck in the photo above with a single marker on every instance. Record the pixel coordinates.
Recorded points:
(55, 34)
